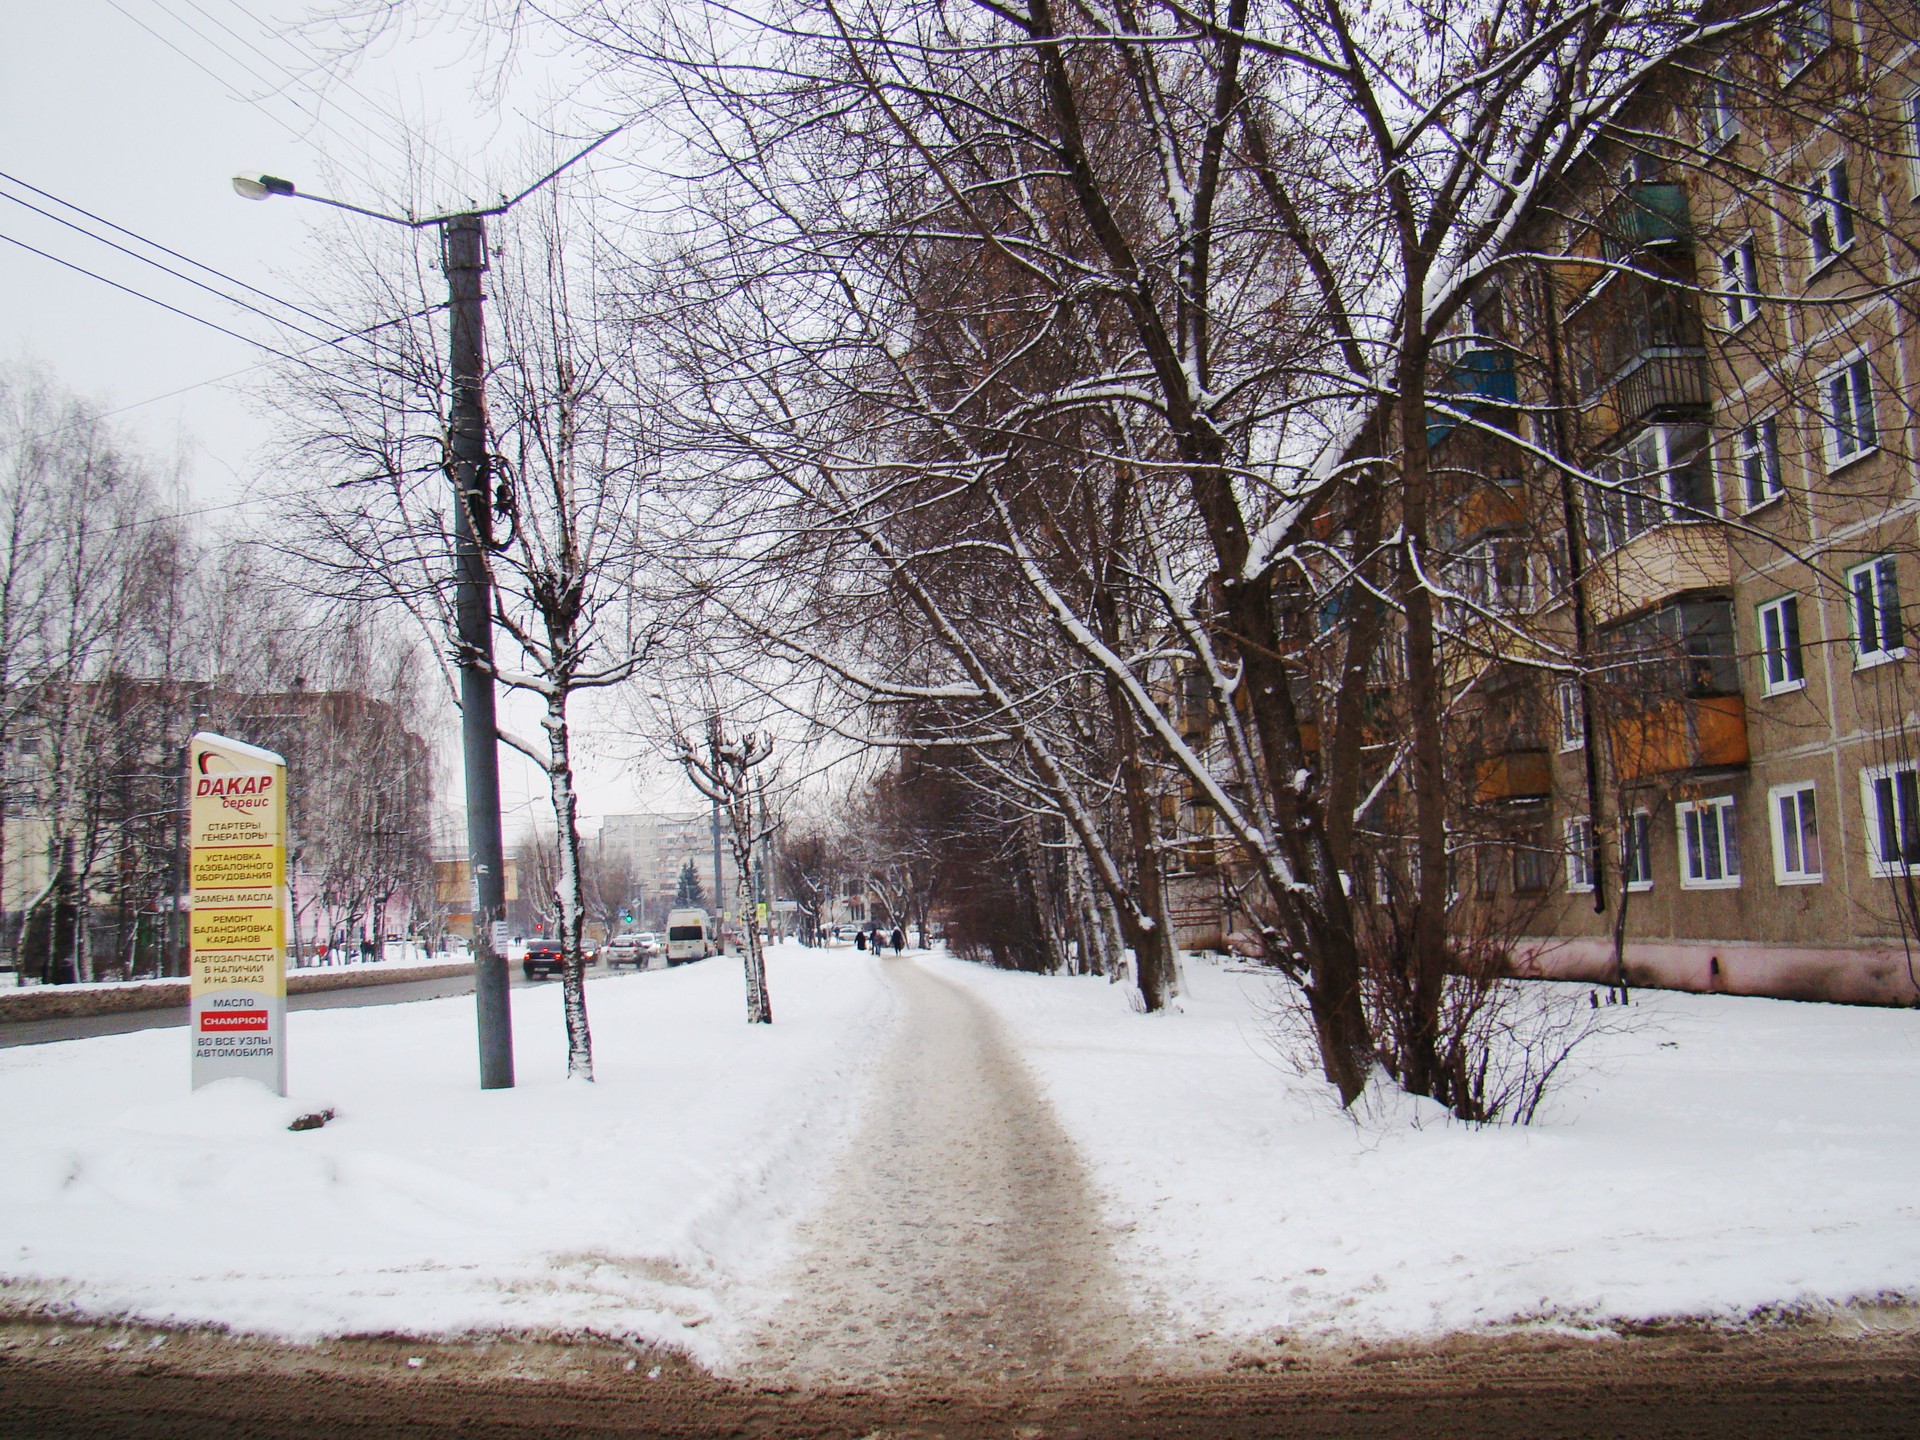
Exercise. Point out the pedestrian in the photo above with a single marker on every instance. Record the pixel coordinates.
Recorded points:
(899, 939)
(859, 939)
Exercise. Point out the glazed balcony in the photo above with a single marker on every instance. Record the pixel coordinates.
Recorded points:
(1476, 383)
(1704, 733)
(1519, 774)
(1666, 560)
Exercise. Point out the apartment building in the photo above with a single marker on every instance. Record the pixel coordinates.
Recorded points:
(1691, 479)
(656, 847)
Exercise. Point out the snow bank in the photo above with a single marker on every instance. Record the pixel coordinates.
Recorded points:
(651, 1204)
(1723, 1156)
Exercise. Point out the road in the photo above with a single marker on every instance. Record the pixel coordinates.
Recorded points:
(78, 1027)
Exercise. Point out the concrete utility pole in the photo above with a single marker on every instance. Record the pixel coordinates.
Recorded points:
(464, 253)
(463, 242)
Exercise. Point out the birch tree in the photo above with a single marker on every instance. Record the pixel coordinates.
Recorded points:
(571, 456)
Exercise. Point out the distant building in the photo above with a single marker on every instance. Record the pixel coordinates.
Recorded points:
(655, 848)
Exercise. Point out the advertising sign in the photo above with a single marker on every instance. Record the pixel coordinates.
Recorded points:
(237, 815)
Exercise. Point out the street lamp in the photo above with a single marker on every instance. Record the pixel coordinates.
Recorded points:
(463, 248)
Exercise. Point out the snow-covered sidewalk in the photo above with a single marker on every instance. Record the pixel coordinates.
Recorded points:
(650, 1204)
(1723, 1156)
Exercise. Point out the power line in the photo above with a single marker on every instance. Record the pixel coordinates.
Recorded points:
(320, 95)
(233, 91)
(151, 300)
(169, 270)
(294, 357)
(156, 245)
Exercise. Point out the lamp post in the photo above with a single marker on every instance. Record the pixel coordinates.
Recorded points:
(463, 250)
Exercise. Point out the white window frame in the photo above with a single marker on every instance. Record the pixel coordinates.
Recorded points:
(1794, 837)
(1908, 837)
(1790, 673)
(1573, 716)
(1740, 284)
(1580, 856)
(1758, 449)
(1832, 204)
(1883, 574)
(1910, 124)
(1821, 33)
(1720, 812)
(1719, 116)
(1845, 389)
(1637, 834)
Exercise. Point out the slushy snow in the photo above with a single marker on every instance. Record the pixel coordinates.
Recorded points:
(1720, 1157)
(650, 1204)
(1717, 1157)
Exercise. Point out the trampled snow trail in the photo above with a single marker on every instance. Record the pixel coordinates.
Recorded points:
(961, 1240)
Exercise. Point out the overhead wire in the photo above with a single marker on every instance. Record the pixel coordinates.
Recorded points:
(320, 95)
(233, 91)
(156, 245)
(165, 269)
(294, 357)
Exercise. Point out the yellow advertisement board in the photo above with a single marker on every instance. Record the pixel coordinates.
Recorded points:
(237, 820)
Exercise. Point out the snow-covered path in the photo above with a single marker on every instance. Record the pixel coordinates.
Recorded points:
(961, 1240)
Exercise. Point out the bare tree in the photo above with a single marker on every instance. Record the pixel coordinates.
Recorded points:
(721, 767)
(563, 538)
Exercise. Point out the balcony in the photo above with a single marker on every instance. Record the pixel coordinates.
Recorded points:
(1646, 214)
(1514, 775)
(1707, 733)
(1663, 382)
(1474, 382)
(1662, 562)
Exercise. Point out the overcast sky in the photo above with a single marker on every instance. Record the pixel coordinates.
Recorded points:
(141, 111)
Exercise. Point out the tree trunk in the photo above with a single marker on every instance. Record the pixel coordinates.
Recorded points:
(571, 916)
(1425, 703)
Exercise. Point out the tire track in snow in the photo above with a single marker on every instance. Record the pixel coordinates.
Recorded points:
(961, 1240)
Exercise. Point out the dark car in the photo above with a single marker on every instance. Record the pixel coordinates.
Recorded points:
(547, 957)
(543, 957)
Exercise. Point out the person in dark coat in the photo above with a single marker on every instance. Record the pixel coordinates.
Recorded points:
(859, 939)
(899, 939)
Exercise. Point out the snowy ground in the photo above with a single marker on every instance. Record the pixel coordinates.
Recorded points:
(1723, 1156)
(648, 1204)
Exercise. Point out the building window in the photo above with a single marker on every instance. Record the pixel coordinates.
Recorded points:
(1760, 462)
(1892, 797)
(1662, 475)
(1573, 716)
(1910, 124)
(1495, 574)
(1740, 283)
(1580, 855)
(1719, 120)
(1805, 36)
(1829, 213)
(1780, 645)
(1796, 835)
(1709, 844)
(1636, 851)
(1873, 592)
(1532, 862)
(1852, 426)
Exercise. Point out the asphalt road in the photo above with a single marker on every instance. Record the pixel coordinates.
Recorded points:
(78, 1027)
(59, 1381)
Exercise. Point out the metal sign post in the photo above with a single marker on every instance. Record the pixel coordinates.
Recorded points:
(237, 811)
